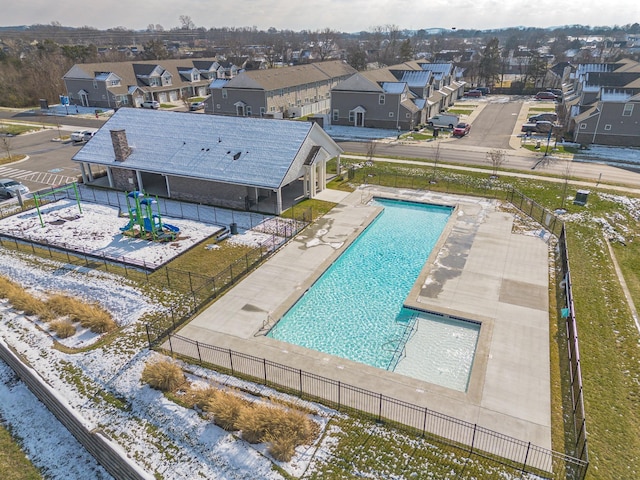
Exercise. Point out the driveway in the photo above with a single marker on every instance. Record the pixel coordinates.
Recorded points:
(493, 126)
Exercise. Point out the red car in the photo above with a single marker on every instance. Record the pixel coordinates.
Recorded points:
(461, 129)
(473, 93)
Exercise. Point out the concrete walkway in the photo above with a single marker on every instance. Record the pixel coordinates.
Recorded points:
(480, 270)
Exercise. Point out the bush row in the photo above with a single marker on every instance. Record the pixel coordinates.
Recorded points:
(282, 428)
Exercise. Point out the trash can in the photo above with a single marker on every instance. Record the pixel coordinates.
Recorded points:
(581, 197)
(233, 228)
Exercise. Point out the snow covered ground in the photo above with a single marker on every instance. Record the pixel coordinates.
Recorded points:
(159, 435)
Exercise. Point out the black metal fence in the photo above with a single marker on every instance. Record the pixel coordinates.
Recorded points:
(575, 371)
(567, 311)
(473, 439)
(199, 288)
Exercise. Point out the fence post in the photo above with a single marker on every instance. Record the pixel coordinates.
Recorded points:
(198, 349)
(424, 421)
(264, 368)
(300, 383)
(473, 437)
(166, 270)
(380, 406)
(231, 361)
(526, 457)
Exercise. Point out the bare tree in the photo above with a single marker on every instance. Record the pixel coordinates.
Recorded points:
(5, 140)
(186, 23)
(496, 158)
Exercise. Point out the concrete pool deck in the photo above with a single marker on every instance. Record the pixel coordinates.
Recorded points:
(480, 270)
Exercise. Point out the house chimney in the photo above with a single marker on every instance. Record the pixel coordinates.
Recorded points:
(120, 145)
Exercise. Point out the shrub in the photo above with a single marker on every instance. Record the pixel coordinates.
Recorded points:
(256, 423)
(281, 449)
(30, 305)
(163, 375)
(294, 425)
(226, 408)
(63, 328)
(199, 396)
(89, 315)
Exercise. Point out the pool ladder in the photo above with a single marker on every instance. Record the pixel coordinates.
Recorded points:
(400, 351)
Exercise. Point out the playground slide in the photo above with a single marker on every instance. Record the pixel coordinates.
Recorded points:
(171, 228)
(128, 226)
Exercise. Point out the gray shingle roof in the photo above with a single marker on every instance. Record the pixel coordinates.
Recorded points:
(204, 146)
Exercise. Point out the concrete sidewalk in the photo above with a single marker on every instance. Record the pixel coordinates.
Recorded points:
(480, 271)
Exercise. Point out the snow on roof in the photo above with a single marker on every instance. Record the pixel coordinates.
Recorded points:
(239, 150)
(394, 87)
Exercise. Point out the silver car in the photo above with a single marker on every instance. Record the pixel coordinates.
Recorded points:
(10, 188)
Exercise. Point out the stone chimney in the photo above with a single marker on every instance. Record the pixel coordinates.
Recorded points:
(120, 145)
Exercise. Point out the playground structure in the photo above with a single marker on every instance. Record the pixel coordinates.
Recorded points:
(37, 198)
(144, 223)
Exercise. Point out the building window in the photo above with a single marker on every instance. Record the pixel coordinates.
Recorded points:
(95, 84)
(352, 116)
(607, 127)
(262, 111)
(583, 126)
(336, 115)
(408, 115)
(628, 110)
(248, 111)
(381, 99)
(390, 114)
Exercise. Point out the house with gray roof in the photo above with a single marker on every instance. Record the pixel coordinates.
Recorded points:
(286, 92)
(128, 84)
(398, 97)
(241, 163)
(601, 104)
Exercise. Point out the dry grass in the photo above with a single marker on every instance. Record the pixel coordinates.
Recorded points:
(163, 375)
(226, 409)
(284, 429)
(63, 328)
(89, 315)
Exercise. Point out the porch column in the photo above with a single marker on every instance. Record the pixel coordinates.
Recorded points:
(322, 174)
(338, 165)
(166, 181)
(84, 174)
(139, 178)
(278, 201)
(312, 181)
(110, 177)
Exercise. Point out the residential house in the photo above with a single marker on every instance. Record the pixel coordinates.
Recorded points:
(241, 163)
(286, 92)
(399, 97)
(128, 84)
(601, 104)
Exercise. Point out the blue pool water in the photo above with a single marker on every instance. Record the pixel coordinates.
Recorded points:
(355, 309)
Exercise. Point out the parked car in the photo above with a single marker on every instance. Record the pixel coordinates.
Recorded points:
(542, 126)
(461, 129)
(10, 188)
(196, 106)
(151, 104)
(445, 120)
(483, 90)
(549, 117)
(88, 135)
(556, 91)
(78, 136)
(545, 96)
(473, 93)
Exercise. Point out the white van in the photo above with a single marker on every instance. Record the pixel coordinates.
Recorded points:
(444, 120)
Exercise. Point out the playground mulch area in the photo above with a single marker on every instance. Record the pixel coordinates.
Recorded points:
(96, 230)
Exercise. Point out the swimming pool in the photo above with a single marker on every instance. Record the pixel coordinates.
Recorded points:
(355, 309)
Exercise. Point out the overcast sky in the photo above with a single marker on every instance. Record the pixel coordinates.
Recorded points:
(341, 15)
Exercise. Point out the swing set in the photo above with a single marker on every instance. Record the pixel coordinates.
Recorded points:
(38, 196)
